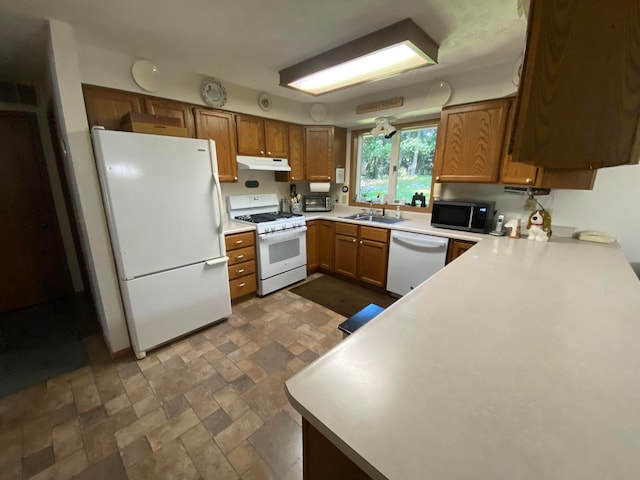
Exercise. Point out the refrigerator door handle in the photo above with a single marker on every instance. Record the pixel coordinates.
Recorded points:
(216, 180)
(217, 261)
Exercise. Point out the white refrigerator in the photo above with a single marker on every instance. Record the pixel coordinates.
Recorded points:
(164, 209)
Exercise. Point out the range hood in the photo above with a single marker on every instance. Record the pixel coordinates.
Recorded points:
(263, 163)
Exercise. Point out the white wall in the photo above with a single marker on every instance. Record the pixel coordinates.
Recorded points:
(490, 82)
(107, 68)
(71, 255)
(69, 104)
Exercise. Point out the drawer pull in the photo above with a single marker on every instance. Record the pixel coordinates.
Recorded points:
(240, 285)
(240, 256)
(240, 271)
(238, 242)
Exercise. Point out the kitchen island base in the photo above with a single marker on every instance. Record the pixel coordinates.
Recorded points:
(322, 459)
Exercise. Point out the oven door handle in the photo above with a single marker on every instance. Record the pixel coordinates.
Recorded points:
(279, 236)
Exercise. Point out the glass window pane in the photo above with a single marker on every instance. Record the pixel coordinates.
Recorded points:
(373, 172)
(415, 164)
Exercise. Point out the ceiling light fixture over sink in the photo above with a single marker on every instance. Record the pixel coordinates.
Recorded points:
(395, 49)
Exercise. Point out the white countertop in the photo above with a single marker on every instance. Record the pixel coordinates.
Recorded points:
(520, 360)
(417, 223)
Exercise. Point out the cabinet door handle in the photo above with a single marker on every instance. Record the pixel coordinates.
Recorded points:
(528, 180)
(240, 271)
(438, 178)
(360, 242)
(261, 152)
(269, 153)
(238, 242)
(354, 240)
(239, 256)
(293, 178)
(240, 285)
(235, 179)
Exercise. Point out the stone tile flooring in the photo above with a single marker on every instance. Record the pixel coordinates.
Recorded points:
(208, 406)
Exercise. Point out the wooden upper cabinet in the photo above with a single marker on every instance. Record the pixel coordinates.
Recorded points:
(218, 126)
(276, 138)
(296, 154)
(324, 150)
(106, 107)
(250, 132)
(262, 137)
(523, 174)
(515, 173)
(579, 96)
(171, 108)
(470, 142)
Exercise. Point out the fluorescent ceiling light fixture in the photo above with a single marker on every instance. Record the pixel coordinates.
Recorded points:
(398, 48)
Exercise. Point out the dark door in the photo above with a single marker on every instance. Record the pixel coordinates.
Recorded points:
(33, 269)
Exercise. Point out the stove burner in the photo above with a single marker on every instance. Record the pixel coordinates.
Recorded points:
(266, 217)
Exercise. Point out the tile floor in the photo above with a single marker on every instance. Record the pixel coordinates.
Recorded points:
(209, 406)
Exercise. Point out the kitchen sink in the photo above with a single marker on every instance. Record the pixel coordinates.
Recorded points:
(365, 217)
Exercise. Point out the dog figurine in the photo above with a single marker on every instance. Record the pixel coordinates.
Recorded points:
(539, 226)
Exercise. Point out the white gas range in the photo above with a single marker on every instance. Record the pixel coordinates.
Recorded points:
(280, 239)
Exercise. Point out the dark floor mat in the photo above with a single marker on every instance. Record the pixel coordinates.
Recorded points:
(38, 343)
(342, 297)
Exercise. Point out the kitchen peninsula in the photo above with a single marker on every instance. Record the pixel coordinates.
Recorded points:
(517, 361)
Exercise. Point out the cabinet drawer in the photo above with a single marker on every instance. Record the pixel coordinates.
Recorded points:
(241, 255)
(346, 229)
(239, 240)
(241, 269)
(242, 286)
(375, 234)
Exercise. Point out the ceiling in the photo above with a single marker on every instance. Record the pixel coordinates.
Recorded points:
(247, 42)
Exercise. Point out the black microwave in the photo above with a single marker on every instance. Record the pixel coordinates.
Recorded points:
(469, 216)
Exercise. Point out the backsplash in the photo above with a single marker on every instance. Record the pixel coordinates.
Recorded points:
(507, 204)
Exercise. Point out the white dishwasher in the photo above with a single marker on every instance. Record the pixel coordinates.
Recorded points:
(413, 257)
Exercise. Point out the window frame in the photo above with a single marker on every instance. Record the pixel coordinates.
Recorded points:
(353, 167)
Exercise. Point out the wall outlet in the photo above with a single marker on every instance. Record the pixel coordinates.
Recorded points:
(343, 200)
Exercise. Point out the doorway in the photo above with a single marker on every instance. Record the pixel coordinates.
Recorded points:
(38, 320)
(34, 269)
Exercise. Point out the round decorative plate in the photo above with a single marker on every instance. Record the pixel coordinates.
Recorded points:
(439, 94)
(264, 101)
(146, 75)
(213, 93)
(318, 112)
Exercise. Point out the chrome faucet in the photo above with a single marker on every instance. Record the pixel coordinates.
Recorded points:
(371, 212)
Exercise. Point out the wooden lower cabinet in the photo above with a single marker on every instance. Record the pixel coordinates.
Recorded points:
(313, 252)
(373, 256)
(457, 248)
(241, 251)
(320, 239)
(326, 232)
(322, 460)
(346, 256)
(362, 253)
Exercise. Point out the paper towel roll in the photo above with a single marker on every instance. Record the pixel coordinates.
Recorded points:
(318, 187)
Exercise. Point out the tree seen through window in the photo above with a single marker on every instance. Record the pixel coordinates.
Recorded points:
(396, 168)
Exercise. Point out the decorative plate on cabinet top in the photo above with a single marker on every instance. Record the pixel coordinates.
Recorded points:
(264, 101)
(213, 93)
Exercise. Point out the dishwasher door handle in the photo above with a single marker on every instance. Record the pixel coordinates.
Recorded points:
(418, 242)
